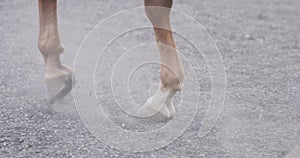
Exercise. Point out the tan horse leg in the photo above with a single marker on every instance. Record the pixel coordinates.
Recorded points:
(171, 73)
(58, 77)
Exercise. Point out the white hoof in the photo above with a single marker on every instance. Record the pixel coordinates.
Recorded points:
(171, 109)
(159, 105)
(151, 108)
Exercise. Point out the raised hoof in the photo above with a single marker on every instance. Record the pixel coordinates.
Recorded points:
(59, 83)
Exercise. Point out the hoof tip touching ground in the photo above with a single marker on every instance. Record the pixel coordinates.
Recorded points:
(159, 110)
(59, 83)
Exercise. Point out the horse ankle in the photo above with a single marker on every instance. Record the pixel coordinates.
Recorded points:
(51, 52)
(171, 81)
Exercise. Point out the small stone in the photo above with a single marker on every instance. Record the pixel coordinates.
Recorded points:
(248, 37)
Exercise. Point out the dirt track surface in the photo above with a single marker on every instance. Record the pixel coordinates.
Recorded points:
(260, 45)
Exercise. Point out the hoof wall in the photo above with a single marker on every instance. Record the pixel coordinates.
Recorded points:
(59, 83)
(159, 111)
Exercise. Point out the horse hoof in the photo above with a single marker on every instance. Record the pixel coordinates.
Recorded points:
(151, 108)
(159, 107)
(59, 83)
(171, 109)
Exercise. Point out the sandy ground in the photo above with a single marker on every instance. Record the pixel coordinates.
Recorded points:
(259, 42)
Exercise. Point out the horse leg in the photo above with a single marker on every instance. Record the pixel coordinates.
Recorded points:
(58, 77)
(171, 71)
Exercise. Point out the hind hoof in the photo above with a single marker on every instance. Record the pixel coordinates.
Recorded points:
(171, 109)
(159, 106)
(150, 108)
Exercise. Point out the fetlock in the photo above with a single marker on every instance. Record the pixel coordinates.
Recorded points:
(172, 81)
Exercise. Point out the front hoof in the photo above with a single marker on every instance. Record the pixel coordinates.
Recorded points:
(59, 83)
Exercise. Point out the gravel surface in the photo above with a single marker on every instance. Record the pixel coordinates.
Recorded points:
(259, 42)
